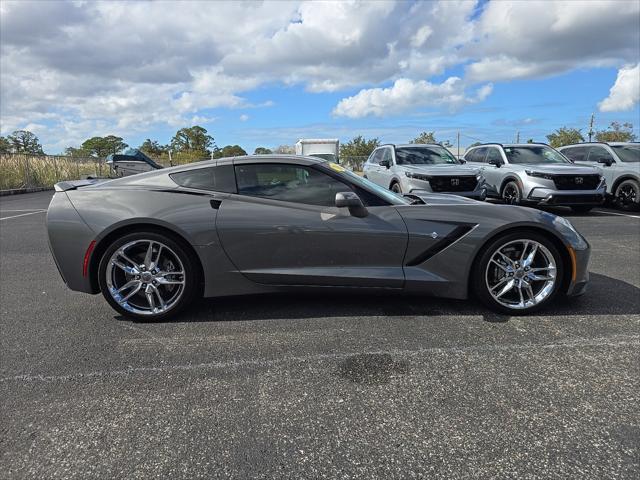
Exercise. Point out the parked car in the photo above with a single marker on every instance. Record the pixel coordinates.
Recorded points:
(131, 162)
(423, 168)
(536, 174)
(620, 164)
(153, 242)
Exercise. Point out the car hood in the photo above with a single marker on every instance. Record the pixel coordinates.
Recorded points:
(568, 169)
(444, 199)
(622, 167)
(445, 170)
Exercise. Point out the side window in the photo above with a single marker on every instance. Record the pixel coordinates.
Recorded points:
(479, 154)
(217, 179)
(576, 154)
(288, 183)
(386, 155)
(494, 154)
(375, 157)
(599, 153)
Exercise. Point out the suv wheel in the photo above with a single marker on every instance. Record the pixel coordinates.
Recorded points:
(627, 195)
(518, 273)
(511, 194)
(395, 187)
(148, 276)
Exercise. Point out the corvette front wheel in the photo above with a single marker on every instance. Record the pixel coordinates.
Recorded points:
(518, 273)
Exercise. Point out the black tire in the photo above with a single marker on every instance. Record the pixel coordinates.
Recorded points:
(176, 247)
(627, 195)
(395, 187)
(582, 208)
(479, 271)
(511, 193)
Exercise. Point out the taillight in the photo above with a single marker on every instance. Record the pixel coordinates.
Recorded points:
(87, 257)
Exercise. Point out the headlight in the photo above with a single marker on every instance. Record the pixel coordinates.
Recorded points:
(532, 173)
(479, 176)
(417, 176)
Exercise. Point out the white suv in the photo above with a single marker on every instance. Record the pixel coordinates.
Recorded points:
(423, 168)
(535, 173)
(620, 164)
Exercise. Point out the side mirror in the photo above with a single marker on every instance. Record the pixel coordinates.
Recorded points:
(385, 163)
(496, 163)
(462, 160)
(352, 202)
(604, 160)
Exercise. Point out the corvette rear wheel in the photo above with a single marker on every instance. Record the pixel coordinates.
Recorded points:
(518, 273)
(147, 276)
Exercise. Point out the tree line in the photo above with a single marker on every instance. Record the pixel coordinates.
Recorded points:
(195, 143)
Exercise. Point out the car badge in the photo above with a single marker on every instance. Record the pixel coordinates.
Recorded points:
(579, 180)
(455, 181)
(434, 235)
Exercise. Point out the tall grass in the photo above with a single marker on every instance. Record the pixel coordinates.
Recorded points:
(27, 171)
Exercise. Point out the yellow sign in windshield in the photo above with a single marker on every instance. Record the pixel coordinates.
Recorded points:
(336, 167)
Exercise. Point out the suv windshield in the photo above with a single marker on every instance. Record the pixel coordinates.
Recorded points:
(627, 153)
(534, 154)
(368, 185)
(432, 155)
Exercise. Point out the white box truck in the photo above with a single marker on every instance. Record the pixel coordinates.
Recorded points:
(325, 148)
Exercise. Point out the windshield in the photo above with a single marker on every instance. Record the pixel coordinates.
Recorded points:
(432, 155)
(627, 153)
(534, 155)
(354, 178)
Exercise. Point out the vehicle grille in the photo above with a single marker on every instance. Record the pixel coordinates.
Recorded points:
(464, 183)
(576, 182)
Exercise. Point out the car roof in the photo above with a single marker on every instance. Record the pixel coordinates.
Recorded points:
(410, 145)
(600, 143)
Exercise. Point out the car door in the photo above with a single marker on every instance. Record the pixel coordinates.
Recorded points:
(602, 158)
(493, 173)
(373, 167)
(282, 228)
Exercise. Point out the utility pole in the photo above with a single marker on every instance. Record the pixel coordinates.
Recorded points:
(458, 136)
(591, 127)
(518, 136)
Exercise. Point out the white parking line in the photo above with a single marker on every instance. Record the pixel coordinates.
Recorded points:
(619, 214)
(2, 210)
(22, 215)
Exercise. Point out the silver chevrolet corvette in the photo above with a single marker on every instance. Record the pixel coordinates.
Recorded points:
(153, 242)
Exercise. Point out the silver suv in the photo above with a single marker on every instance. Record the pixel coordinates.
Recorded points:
(535, 173)
(620, 164)
(423, 168)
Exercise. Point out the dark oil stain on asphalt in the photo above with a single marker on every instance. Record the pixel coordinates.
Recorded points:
(372, 368)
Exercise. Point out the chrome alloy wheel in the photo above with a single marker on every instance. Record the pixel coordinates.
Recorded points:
(521, 274)
(145, 277)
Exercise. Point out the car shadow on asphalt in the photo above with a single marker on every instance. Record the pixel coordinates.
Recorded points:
(606, 296)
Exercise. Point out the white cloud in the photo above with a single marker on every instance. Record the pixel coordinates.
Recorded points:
(406, 94)
(78, 68)
(625, 93)
(244, 117)
(528, 39)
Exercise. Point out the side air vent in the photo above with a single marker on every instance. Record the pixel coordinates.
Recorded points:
(457, 233)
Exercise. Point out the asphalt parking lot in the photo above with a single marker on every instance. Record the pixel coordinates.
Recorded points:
(318, 386)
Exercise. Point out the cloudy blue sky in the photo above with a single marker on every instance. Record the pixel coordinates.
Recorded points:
(268, 73)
